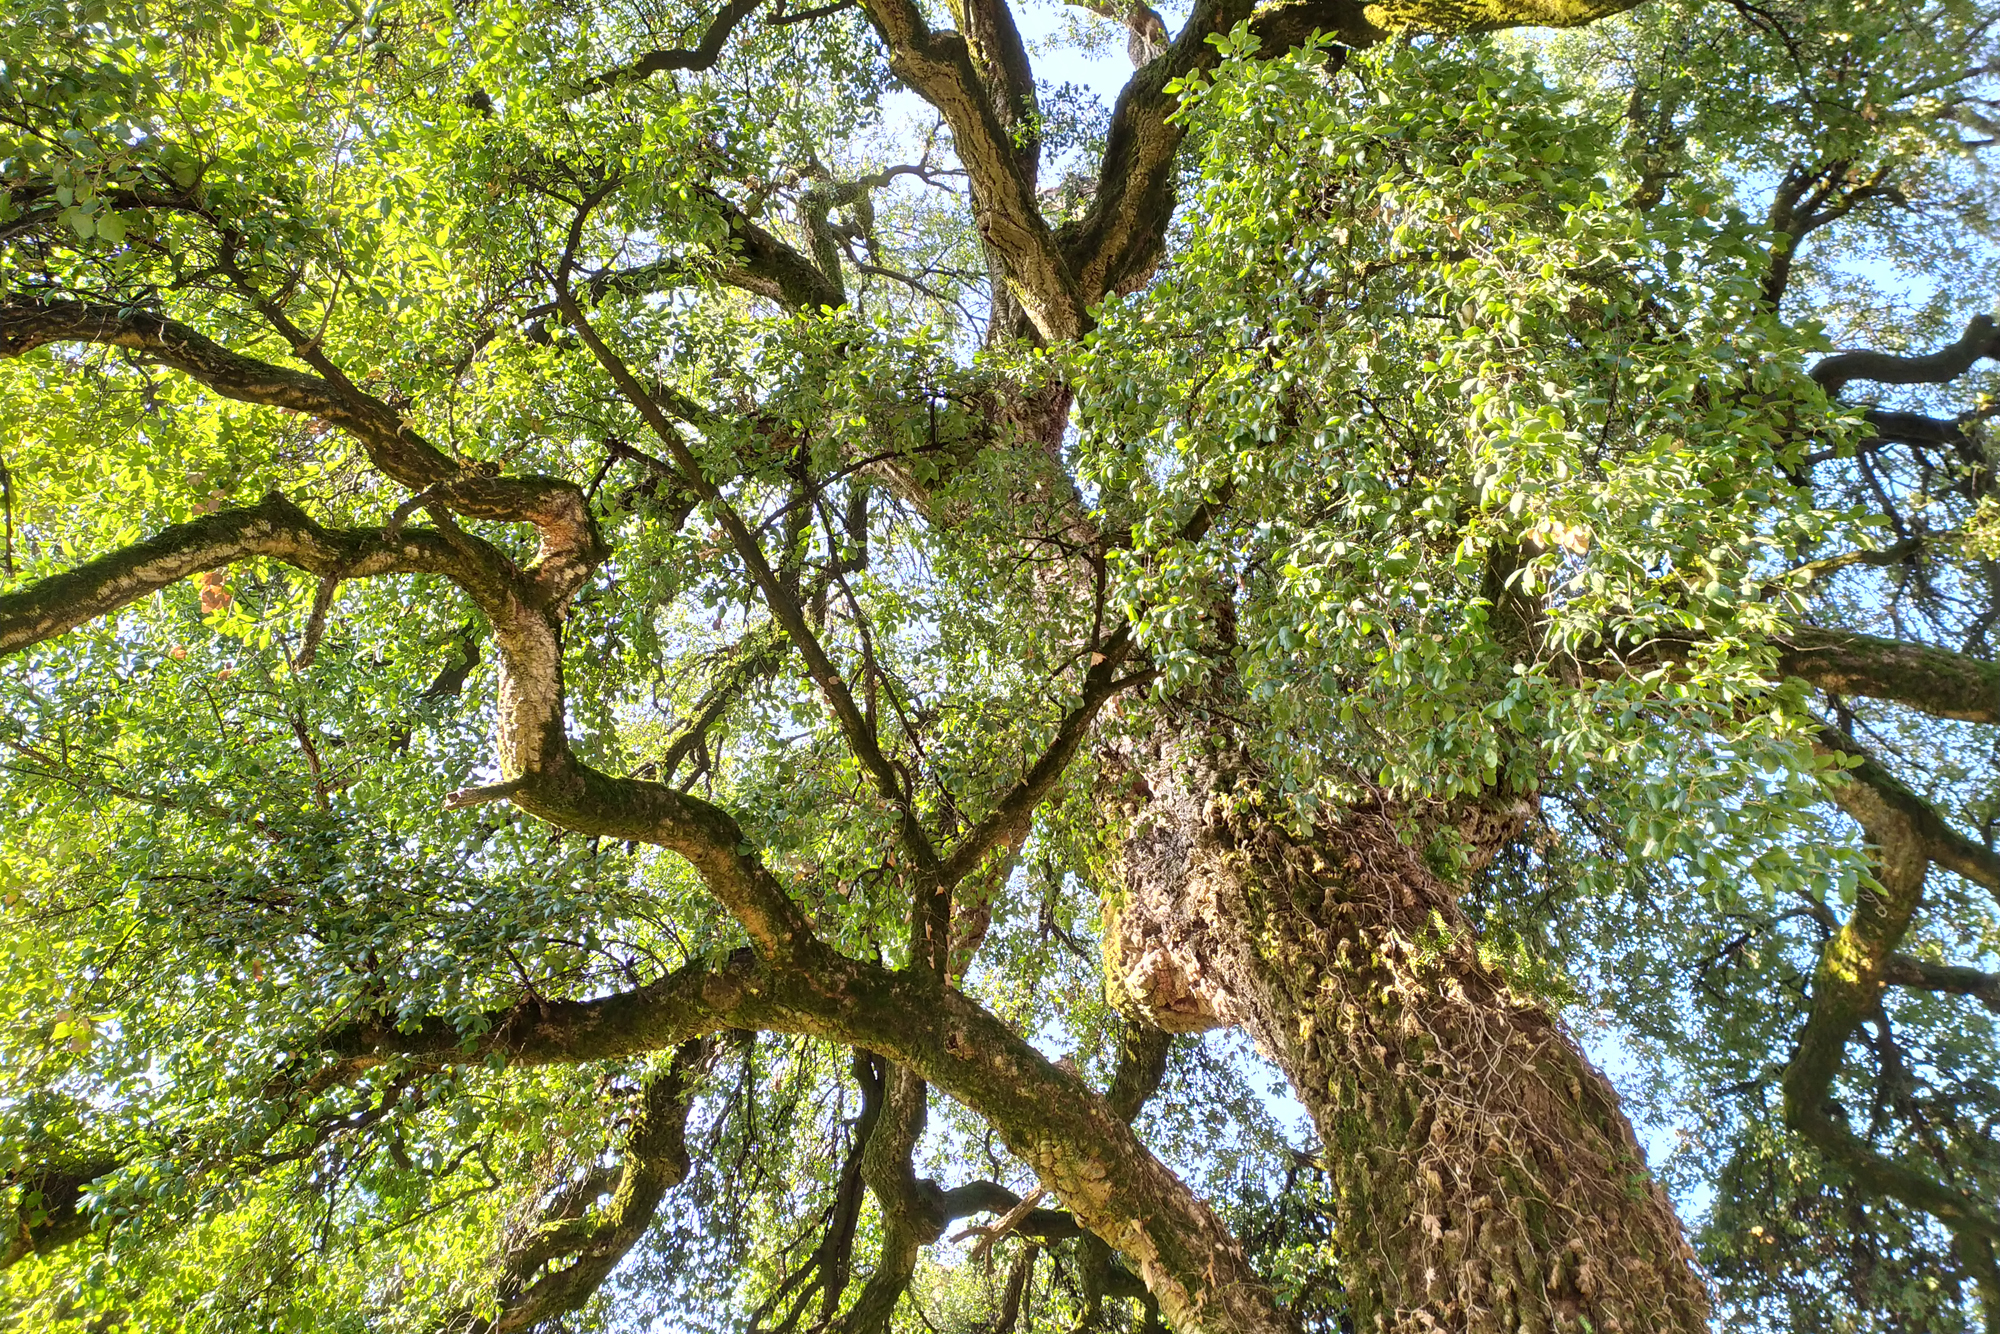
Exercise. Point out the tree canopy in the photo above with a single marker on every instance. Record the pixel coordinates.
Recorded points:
(769, 668)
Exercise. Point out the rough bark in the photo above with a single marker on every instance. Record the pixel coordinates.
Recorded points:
(1142, 1063)
(940, 66)
(1485, 1179)
(1934, 680)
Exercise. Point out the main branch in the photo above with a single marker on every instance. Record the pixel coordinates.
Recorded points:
(1856, 963)
(571, 546)
(1981, 339)
(274, 528)
(939, 66)
(1075, 1142)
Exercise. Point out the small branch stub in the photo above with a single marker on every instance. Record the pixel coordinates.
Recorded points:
(989, 1236)
(467, 797)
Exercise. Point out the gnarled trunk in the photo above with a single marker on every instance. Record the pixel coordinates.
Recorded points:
(1485, 1179)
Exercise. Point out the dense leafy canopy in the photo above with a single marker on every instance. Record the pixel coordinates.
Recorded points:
(593, 591)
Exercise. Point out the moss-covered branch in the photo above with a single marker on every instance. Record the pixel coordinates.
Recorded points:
(1872, 788)
(592, 1239)
(655, 1017)
(1934, 680)
(274, 528)
(571, 545)
(757, 261)
(1854, 966)
(911, 1219)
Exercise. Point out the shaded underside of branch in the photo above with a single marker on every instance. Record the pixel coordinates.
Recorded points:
(1952, 979)
(1981, 339)
(757, 261)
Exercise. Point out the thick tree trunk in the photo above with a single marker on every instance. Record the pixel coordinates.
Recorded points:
(1485, 1179)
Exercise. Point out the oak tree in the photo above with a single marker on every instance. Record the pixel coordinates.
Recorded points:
(659, 655)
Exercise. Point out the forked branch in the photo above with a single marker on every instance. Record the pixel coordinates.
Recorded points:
(273, 528)
(940, 67)
(701, 56)
(571, 545)
(592, 1240)
(1855, 964)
